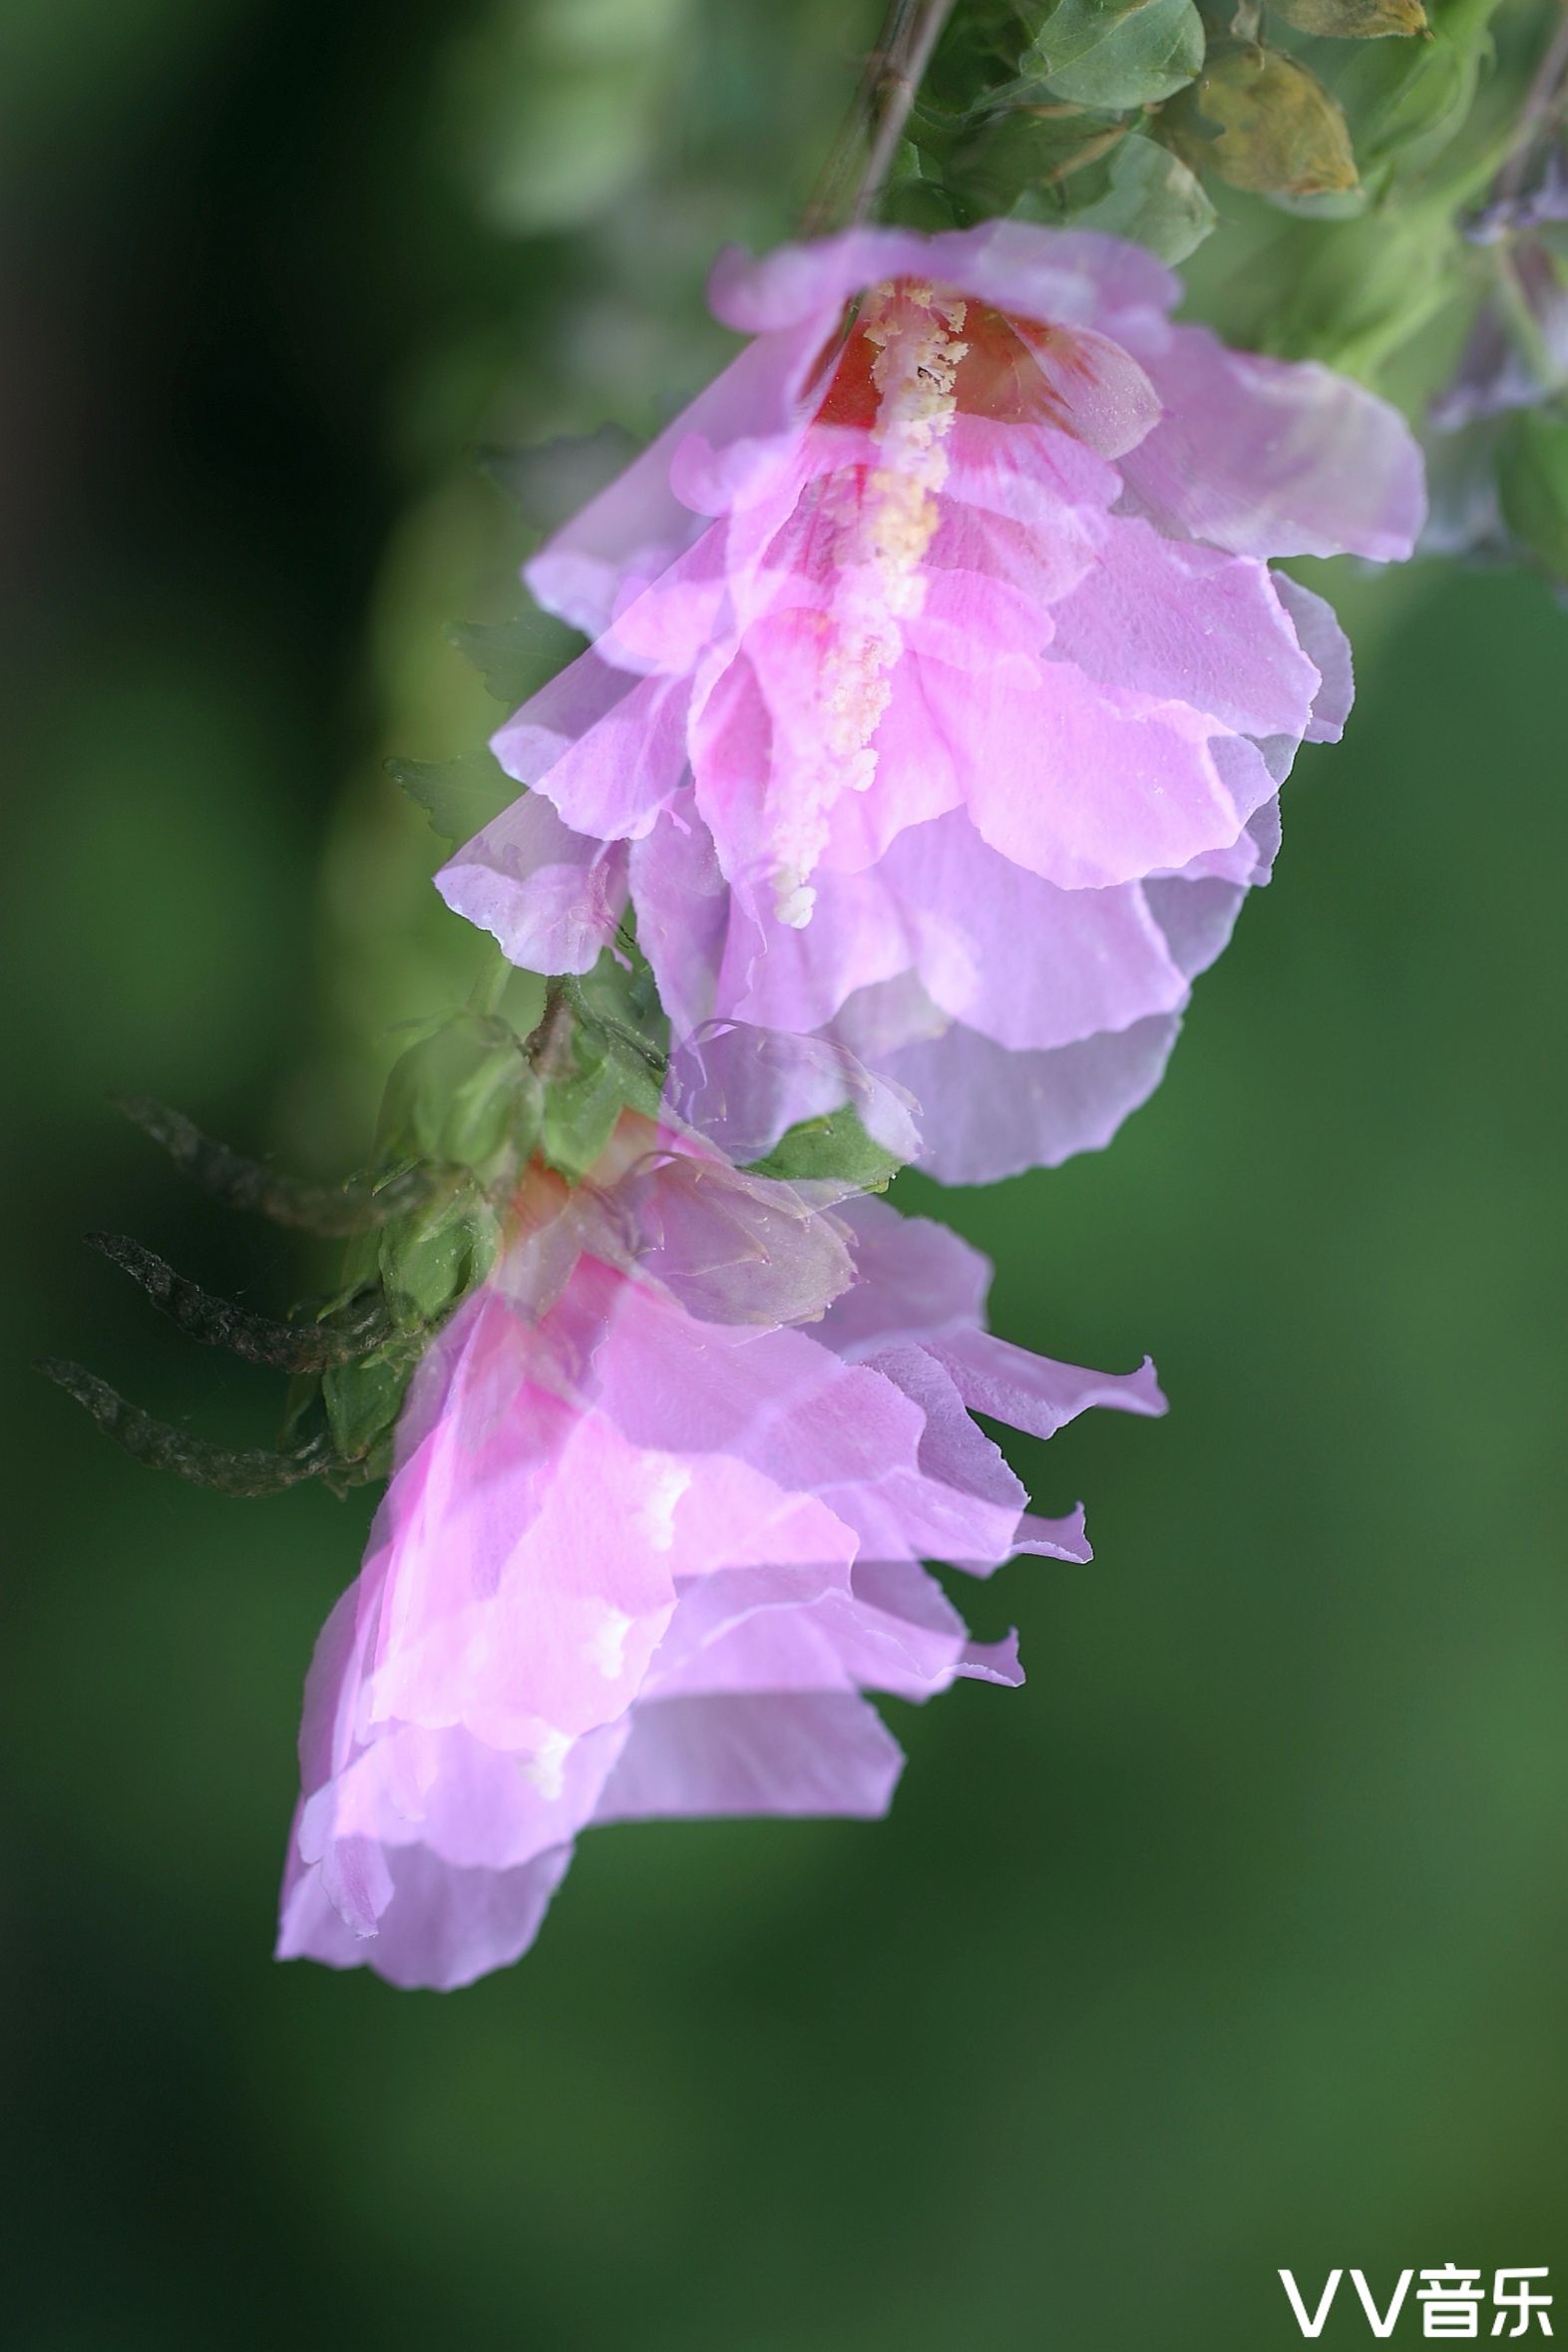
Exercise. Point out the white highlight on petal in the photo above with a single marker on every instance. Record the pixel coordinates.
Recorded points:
(657, 1518)
(606, 1646)
(546, 1767)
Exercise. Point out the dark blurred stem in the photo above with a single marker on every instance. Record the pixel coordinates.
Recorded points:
(1542, 107)
(888, 90)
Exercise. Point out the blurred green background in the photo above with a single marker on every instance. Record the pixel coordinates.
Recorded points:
(1236, 1938)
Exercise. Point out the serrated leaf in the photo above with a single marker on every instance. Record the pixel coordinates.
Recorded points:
(551, 480)
(515, 657)
(1260, 120)
(836, 1149)
(1113, 55)
(1152, 199)
(459, 796)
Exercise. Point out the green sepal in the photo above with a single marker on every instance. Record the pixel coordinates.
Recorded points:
(464, 1096)
(363, 1399)
(435, 1258)
(603, 1070)
(836, 1149)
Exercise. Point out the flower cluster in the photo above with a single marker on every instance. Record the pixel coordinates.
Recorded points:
(664, 1488)
(931, 731)
(942, 618)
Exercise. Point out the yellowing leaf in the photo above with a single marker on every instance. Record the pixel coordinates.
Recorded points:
(1354, 20)
(1262, 121)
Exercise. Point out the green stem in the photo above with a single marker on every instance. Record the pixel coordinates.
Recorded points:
(888, 90)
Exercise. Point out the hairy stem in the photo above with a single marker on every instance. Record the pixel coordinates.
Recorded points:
(331, 1209)
(218, 1323)
(231, 1470)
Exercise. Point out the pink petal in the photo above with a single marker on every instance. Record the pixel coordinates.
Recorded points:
(791, 1753)
(1190, 623)
(1274, 457)
(554, 899)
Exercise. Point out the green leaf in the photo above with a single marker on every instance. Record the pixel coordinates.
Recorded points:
(1152, 199)
(1112, 54)
(1021, 161)
(1533, 486)
(914, 203)
(459, 796)
(515, 657)
(986, 45)
(836, 1149)
(1359, 297)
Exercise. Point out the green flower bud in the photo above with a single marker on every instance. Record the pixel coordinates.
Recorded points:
(464, 1097)
(363, 1399)
(433, 1259)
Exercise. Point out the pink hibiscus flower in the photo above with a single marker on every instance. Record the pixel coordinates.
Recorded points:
(664, 1487)
(941, 690)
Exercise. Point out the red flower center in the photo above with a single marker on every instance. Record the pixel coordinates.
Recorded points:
(1000, 375)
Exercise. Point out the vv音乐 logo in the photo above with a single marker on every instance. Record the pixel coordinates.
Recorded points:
(1452, 2302)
